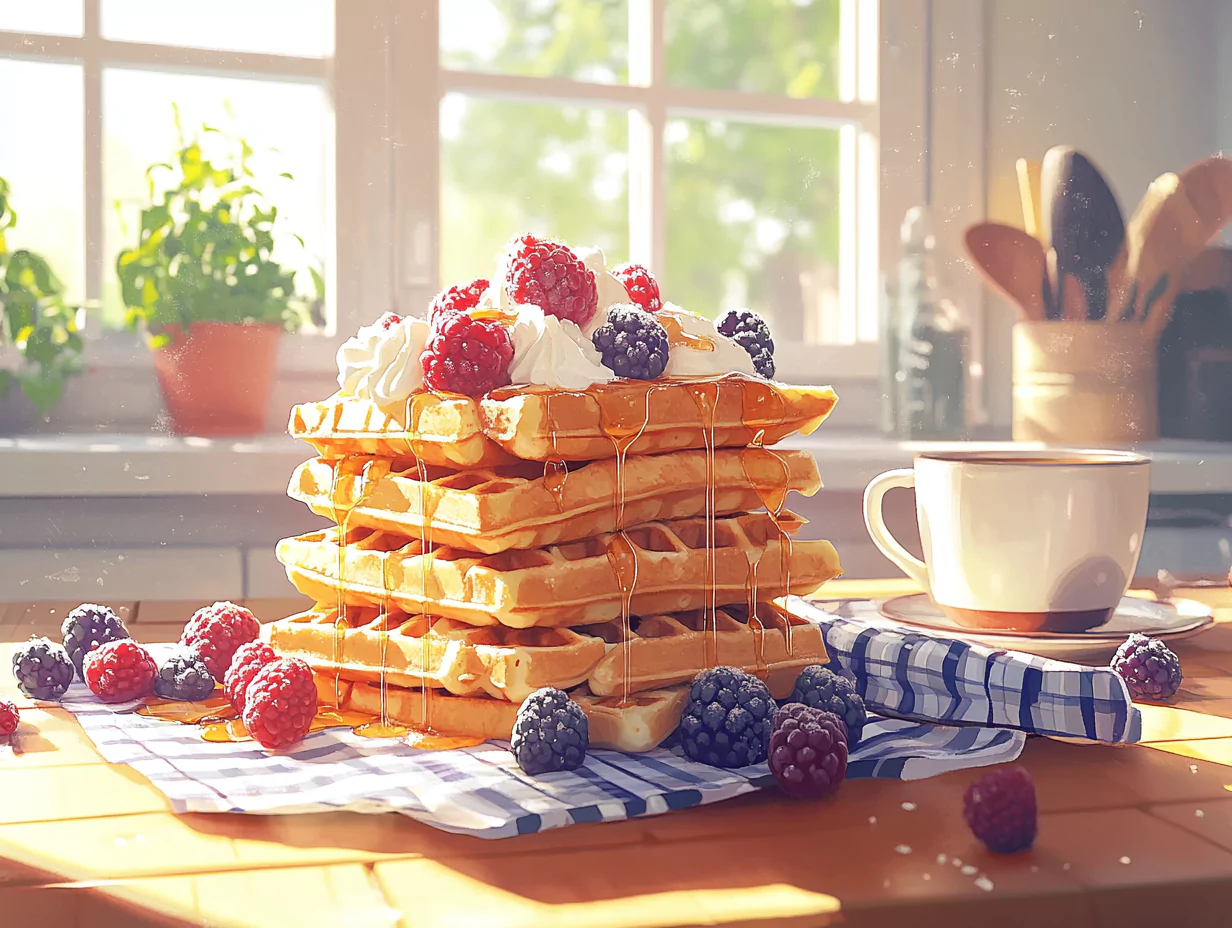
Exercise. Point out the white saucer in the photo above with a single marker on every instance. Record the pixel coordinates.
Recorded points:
(1177, 618)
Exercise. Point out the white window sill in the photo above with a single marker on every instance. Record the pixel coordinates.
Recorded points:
(94, 465)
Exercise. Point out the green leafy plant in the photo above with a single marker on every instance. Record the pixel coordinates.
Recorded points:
(205, 246)
(36, 320)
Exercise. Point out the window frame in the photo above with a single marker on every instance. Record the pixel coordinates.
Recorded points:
(386, 83)
(651, 100)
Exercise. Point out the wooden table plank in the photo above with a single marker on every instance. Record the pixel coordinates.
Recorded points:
(880, 852)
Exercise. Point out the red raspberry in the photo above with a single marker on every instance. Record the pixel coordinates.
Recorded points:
(465, 355)
(553, 278)
(280, 703)
(248, 659)
(1000, 809)
(459, 298)
(119, 670)
(214, 632)
(9, 718)
(641, 286)
(388, 321)
(808, 751)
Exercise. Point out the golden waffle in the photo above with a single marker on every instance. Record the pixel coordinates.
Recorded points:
(670, 568)
(541, 424)
(492, 510)
(443, 431)
(640, 725)
(510, 664)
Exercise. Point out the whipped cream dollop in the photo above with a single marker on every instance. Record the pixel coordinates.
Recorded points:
(553, 352)
(697, 349)
(381, 362)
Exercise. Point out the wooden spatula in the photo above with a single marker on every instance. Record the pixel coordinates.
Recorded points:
(1121, 294)
(1013, 262)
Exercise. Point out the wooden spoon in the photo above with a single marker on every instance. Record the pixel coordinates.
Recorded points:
(1122, 296)
(1013, 262)
(1085, 224)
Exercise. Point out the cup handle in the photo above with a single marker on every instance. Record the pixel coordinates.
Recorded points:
(886, 543)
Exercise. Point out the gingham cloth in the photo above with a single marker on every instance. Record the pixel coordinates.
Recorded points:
(900, 671)
(478, 790)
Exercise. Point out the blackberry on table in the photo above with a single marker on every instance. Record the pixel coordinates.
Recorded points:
(185, 677)
(821, 688)
(727, 718)
(808, 751)
(551, 732)
(86, 628)
(42, 668)
(633, 343)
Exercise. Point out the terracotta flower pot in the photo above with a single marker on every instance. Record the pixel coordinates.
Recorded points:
(216, 378)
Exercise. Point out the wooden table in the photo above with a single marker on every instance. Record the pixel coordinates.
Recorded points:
(1127, 835)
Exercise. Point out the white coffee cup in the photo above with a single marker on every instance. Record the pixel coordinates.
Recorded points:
(1021, 540)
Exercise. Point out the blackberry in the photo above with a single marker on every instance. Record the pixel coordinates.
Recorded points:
(87, 627)
(42, 669)
(808, 751)
(551, 733)
(185, 677)
(1148, 667)
(633, 343)
(727, 719)
(821, 688)
(750, 332)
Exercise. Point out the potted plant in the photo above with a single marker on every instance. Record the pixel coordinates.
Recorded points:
(36, 321)
(204, 285)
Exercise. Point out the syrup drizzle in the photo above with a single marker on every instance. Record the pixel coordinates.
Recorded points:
(706, 396)
(621, 552)
(361, 486)
(677, 337)
(555, 469)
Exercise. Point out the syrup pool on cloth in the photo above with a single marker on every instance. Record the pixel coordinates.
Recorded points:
(902, 671)
(477, 790)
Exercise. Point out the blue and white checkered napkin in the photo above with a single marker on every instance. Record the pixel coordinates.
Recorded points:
(901, 671)
(479, 790)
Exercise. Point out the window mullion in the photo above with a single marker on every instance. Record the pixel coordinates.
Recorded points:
(657, 117)
(92, 139)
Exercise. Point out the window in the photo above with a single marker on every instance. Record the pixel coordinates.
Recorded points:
(729, 144)
(100, 84)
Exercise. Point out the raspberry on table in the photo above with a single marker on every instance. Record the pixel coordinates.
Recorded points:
(727, 718)
(120, 670)
(459, 298)
(808, 751)
(641, 286)
(1148, 666)
(551, 732)
(42, 668)
(549, 275)
(184, 677)
(467, 356)
(216, 631)
(249, 658)
(1000, 809)
(633, 343)
(280, 702)
(9, 717)
(819, 687)
(750, 332)
(87, 627)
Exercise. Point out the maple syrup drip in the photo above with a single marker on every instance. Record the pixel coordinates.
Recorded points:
(229, 730)
(677, 337)
(706, 396)
(621, 426)
(380, 728)
(555, 470)
(435, 741)
(427, 509)
(613, 702)
(215, 708)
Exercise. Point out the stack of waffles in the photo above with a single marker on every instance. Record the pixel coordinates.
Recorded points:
(610, 541)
